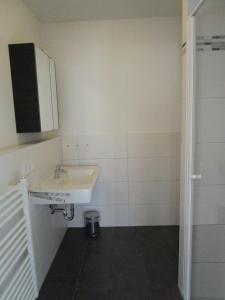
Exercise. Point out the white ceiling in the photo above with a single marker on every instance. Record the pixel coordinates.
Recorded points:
(78, 10)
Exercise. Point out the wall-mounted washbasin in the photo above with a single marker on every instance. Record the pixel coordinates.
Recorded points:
(71, 184)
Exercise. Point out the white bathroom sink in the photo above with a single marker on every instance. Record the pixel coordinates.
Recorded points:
(74, 185)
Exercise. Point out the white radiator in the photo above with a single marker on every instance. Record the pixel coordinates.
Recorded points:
(17, 265)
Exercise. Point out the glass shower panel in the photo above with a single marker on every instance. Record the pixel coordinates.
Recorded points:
(208, 252)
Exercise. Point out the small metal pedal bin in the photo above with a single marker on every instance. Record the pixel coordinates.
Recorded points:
(91, 219)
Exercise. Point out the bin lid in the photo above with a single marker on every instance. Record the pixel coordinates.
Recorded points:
(91, 215)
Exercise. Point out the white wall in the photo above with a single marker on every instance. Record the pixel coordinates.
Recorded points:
(17, 25)
(119, 93)
(48, 230)
(117, 76)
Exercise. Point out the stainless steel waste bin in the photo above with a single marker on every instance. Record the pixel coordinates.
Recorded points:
(92, 226)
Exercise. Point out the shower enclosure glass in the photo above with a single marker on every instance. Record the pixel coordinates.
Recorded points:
(208, 239)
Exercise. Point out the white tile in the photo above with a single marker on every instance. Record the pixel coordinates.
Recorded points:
(152, 169)
(102, 146)
(208, 280)
(152, 192)
(151, 145)
(163, 168)
(153, 214)
(209, 204)
(108, 193)
(110, 215)
(208, 243)
(71, 162)
(210, 74)
(211, 23)
(111, 170)
(210, 121)
(70, 147)
(178, 156)
(178, 189)
(210, 162)
(115, 215)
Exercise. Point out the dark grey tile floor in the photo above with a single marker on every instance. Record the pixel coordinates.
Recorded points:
(123, 263)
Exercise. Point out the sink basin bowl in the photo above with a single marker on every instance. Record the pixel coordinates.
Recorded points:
(74, 185)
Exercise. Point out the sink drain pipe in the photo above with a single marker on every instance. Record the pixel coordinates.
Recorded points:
(68, 211)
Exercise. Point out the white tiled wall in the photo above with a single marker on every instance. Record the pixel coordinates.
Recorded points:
(208, 271)
(211, 121)
(111, 193)
(209, 244)
(152, 192)
(211, 63)
(102, 146)
(209, 205)
(151, 145)
(152, 169)
(208, 280)
(112, 170)
(138, 182)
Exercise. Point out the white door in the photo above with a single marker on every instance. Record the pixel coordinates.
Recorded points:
(44, 89)
(54, 94)
(185, 247)
(204, 157)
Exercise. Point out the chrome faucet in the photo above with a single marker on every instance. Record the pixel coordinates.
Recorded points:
(59, 170)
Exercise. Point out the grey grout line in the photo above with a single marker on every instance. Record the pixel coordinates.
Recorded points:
(208, 142)
(128, 182)
(128, 158)
(78, 149)
(80, 272)
(210, 98)
(201, 225)
(209, 184)
(209, 262)
(132, 204)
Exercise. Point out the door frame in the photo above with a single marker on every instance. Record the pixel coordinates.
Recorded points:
(188, 138)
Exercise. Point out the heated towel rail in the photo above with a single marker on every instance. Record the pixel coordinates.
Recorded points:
(17, 265)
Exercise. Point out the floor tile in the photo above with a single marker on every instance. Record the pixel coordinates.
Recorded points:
(160, 250)
(103, 243)
(97, 272)
(127, 263)
(67, 263)
(161, 268)
(165, 294)
(56, 290)
(93, 294)
(70, 257)
(131, 294)
(130, 279)
(125, 241)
